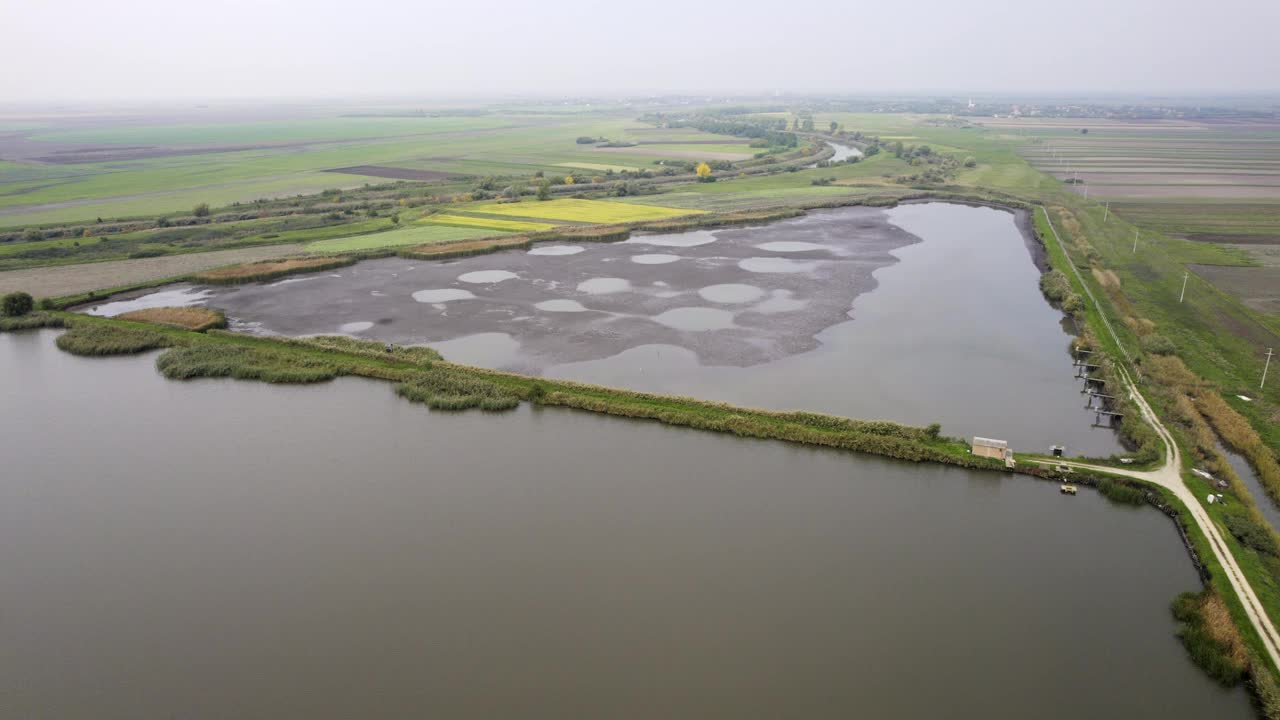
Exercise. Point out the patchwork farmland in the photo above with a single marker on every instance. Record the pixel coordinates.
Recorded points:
(1208, 182)
(105, 167)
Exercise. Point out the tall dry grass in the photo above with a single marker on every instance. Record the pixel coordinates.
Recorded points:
(270, 269)
(196, 319)
(89, 339)
(1240, 436)
(1211, 638)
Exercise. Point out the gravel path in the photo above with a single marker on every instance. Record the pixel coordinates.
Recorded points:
(73, 279)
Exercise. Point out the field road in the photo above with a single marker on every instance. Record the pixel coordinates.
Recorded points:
(76, 279)
(1169, 476)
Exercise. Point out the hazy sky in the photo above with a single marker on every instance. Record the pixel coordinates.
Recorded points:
(126, 49)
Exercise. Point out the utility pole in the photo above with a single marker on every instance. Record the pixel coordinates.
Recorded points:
(1106, 212)
(1266, 367)
(1185, 275)
(1135, 241)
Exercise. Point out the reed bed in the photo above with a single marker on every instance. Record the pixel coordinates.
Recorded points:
(1210, 636)
(30, 321)
(444, 389)
(446, 251)
(245, 363)
(875, 438)
(270, 269)
(1121, 491)
(1240, 436)
(585, 233)
(90, 339)
(372, 349)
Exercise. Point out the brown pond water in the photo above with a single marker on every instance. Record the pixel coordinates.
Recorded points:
(224, 549)
(921, 313)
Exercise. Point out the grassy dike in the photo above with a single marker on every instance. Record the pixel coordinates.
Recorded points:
(421, 376)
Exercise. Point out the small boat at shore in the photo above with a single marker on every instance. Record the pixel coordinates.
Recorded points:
(1067, 489)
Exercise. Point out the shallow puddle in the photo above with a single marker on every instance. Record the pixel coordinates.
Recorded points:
(560, 306)
(785, 246)
(442, 295)
(604, 286)
(696, 318)
(654, 259)
(483, 349)
(556, 250)
(355, 327)
(731, 293)
(778, 265)
(486, 277)
(685, 240)
(177, 297)
(779, 301)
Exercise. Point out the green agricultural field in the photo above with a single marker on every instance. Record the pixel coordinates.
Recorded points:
(416, 235)
(33, 193)
(485, 223)
(305, 130)
(588, 211)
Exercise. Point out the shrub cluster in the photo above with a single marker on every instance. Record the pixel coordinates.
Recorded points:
(16, 304)
(771, 131)
(1121, 492)
(245, 363)
(1251, 533)
(1158, 345)
(1057, 288)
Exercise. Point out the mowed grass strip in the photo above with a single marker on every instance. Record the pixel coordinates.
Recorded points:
(417, 235)
(590, 211)
(487, 223)
(197, 319)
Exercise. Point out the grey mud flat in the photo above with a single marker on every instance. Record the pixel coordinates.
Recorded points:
(921, 313)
